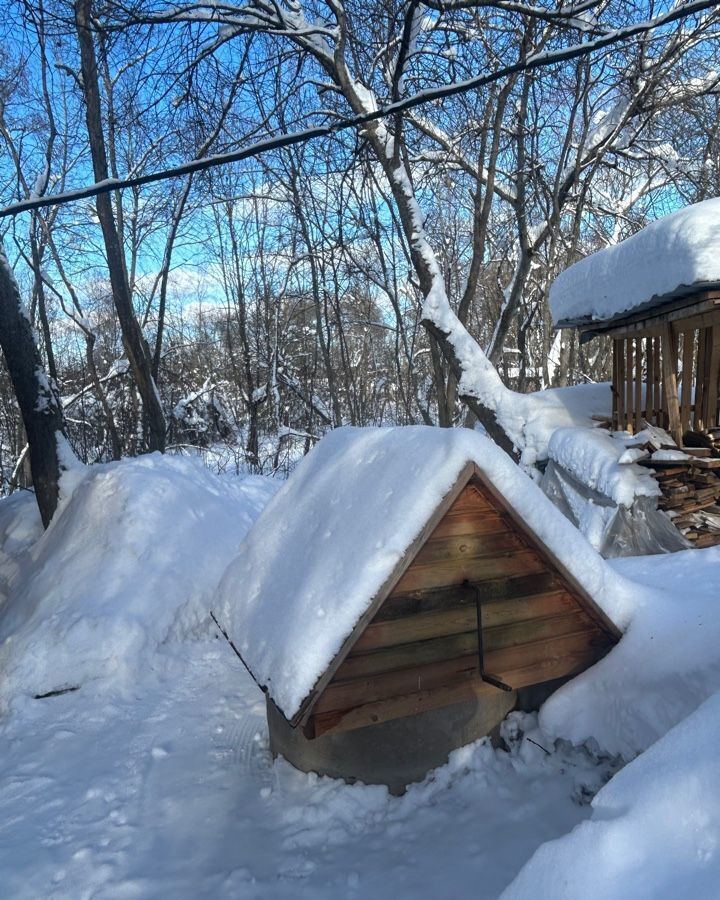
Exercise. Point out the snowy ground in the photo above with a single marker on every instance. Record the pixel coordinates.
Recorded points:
(172, 793)
(153, 780)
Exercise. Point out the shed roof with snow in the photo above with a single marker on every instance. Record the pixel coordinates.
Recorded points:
(675, 257)
(350, 590)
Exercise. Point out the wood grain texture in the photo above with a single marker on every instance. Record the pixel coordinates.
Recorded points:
(670, 367)
(456, 619)
(638, 399)
(467, 686)
(523, 586)
(519, 562)
(688, 345)
(421, 640)
(500, 661)
(390, 657)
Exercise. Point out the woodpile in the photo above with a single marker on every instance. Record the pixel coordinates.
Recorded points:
(691, 488)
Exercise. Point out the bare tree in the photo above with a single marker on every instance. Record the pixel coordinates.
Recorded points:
(36, 394)
(138, 352)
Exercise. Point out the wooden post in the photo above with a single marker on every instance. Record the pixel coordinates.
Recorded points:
(670, 365)
(659, 389)
(700, 383)
(628, 383)
(650, 388)
(616, 383)
(621, 384)
(638, 384)
(712, 385)
(687, 372)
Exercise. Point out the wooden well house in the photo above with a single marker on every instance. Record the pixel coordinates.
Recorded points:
(473, 611)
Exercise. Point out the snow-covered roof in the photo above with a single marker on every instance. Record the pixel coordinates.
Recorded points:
(333, 541)
(677, 254)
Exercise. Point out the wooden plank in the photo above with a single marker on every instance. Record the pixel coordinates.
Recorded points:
(473, 546)
(629, 393)
(694, 323)
(468, 523)
(465, 688)
(545, 553)
(700, 383)
(701, 319)
(692, 305)
(638, 402)
(706, 463)
(669, 359)
(519, 562)
(437, 649)
(392, 579)
(359, 691)
(711, 419)
(621, 385)
(616, 350)
(496, 589)
(458, 619)
(657, 381)
(650, 388)
(687, 373)
(471, 500)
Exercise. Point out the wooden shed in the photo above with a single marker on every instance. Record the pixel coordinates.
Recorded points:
(666, 364)
(488, 592)
(657, 295)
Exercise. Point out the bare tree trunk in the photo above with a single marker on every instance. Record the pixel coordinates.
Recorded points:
(135, 345)
(36, 394)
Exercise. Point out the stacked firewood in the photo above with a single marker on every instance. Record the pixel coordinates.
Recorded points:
(690, 496)
(690, 486)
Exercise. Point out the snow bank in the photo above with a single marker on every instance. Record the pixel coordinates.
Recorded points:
(543, 412)
(20, 523)
(131, 559)
(677, 251)
(665, 666)
(655, 829)
(335, 532)
(594, 456)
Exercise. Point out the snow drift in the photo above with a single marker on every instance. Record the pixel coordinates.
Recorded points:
(655, 829)
(665, 666)
(130, 561)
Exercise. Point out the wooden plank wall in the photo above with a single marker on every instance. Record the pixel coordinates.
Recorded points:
(420, 650)
(668, 375)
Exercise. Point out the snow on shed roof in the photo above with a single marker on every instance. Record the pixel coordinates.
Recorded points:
(671, 256)
(325, 547)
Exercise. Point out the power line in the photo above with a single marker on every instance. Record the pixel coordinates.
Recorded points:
(537, 61)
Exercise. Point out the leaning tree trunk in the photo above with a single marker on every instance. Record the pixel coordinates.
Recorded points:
(36, 394)
(138, 352)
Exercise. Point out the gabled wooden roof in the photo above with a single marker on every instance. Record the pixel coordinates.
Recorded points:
(335, 541)
(500, 566)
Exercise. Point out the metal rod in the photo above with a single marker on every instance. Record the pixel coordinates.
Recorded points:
(485, 676)
(224, 633)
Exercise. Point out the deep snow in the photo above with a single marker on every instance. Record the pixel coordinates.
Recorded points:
(153, 779)
(678, 250)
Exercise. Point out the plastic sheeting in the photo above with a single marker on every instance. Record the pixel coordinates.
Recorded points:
(613, 530)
